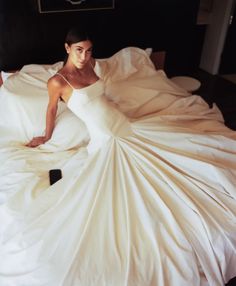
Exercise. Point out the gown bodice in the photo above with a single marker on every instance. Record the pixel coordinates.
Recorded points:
(101, 116)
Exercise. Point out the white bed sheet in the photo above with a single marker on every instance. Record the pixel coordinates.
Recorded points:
(138, 89)
(132, 82)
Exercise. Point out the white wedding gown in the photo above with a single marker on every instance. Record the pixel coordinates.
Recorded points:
(149, 207)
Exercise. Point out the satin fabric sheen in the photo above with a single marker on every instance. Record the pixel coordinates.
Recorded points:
(150, 201)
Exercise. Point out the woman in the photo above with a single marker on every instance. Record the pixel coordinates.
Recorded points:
(147, 208)
(77, 72)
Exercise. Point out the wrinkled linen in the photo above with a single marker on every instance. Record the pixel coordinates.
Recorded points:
(148, 190)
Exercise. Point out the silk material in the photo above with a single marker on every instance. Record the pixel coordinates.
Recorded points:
(152, 204)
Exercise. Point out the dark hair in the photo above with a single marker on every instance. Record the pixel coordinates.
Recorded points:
(77, 34)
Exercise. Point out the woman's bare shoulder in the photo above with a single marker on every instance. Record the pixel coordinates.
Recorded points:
(56, 86)
(56, 81)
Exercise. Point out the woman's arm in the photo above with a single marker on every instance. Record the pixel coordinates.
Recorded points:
(54, 95)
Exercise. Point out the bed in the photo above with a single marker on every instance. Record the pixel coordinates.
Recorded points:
(138, 84)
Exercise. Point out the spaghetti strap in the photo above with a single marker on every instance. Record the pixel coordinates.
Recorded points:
(65, 80)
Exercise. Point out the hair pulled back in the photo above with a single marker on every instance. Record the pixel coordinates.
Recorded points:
(76, 34)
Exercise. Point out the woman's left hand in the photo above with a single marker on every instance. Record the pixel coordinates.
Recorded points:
(36, 141)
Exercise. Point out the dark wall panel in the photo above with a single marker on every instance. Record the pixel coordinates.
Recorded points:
(228, 58)
(26, 36)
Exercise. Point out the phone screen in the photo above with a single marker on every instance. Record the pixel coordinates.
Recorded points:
(54, 175)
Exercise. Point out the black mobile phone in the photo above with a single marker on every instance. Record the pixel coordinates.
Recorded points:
(54, 175)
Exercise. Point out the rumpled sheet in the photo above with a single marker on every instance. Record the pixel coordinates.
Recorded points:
(131, 82)
(139, 91)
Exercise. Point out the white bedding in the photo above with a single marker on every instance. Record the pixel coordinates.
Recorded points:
(137, 88)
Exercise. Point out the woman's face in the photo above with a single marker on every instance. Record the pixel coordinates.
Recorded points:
(79, 53)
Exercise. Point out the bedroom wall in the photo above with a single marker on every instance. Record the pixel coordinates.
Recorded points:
(26, 36)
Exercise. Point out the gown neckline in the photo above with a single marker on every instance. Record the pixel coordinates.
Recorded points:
(82, 88)
(87, 86)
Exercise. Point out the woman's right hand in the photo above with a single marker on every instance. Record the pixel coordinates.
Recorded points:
(36, 141)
